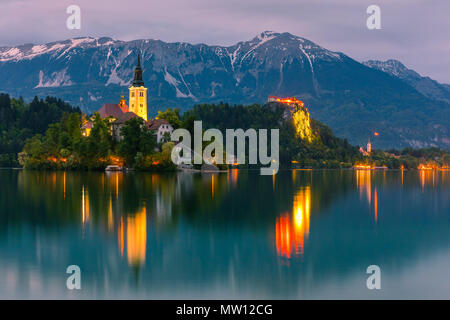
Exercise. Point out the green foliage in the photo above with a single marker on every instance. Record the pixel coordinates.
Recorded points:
(63, 146)
(20, 121)
(409, 158)
(100, 139)
(326, 150)
(171, 116)
(225, 116)
(136, 139)
(49, 135)
(160, 161)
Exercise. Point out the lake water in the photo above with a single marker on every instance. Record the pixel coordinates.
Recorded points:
(297, 235)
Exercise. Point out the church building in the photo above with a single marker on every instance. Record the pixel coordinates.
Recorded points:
(138, 93)
(119, 113)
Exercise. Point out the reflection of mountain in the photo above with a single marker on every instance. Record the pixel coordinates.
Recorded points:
(239, 233)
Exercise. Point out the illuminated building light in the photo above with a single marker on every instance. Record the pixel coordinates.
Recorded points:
(425, 167)
(363, 166)
(115, 160)
(299, 114)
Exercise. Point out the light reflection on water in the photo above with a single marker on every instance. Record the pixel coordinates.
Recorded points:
(301, 234)
(292, 229)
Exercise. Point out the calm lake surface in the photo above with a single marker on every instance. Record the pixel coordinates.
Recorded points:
(297, 235)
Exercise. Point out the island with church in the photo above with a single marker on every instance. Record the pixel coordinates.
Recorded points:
(50, 134)
(118, 114)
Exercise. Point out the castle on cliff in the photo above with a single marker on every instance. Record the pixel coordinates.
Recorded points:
(297, 111)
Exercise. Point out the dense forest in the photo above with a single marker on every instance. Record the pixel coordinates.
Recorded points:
(325, 150)
(46, 134)
(20, 121)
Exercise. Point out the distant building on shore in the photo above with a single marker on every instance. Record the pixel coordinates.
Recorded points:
(368, 149)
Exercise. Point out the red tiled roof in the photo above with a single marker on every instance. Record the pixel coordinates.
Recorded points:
(156, 123)
(110, 110)
(87, 125)
(124, 108)
(125, 117)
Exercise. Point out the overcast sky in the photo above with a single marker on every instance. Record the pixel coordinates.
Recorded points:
(416, 32)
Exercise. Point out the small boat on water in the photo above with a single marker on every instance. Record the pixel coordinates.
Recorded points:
(113, 168)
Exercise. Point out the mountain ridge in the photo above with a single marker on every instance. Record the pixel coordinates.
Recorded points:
(352, 98)
(425, 85)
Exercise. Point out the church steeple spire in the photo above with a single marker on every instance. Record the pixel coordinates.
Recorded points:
(137, 81)
(138, 92)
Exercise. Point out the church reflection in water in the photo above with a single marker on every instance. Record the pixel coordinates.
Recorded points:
(130, 228)
(136, 238)
(129, 219)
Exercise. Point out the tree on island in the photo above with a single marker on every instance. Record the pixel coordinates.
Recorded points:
(20, 121)
(136, 137)
(171, 116)
(48, 132)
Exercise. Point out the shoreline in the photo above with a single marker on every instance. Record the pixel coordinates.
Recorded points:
(221, 171)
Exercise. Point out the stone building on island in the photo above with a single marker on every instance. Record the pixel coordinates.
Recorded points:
(120, 113)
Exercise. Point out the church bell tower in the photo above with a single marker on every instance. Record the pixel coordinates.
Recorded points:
(138, 93)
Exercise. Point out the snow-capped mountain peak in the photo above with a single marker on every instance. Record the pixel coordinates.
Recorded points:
(88, 72)
(393, 67)
(30, 51)
(425, 85)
